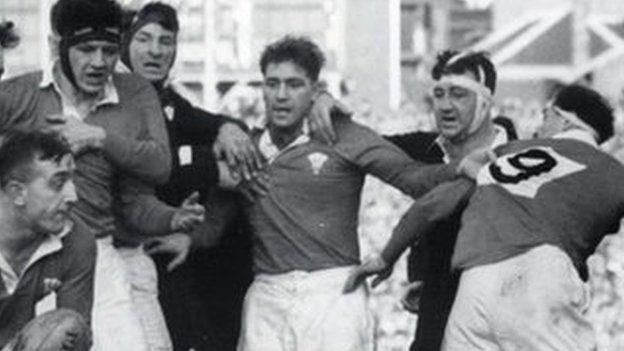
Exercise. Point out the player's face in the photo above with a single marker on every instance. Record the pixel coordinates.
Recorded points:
(49, 195)
(92, 63)
(287, 91)
(454, 108)
(552, 123)
(152, 51)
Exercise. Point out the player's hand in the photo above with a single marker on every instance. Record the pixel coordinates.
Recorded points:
(235, 147)
(256, 187)
(320, 121)
(411, 297)
(81, 136)
(188, 215)
(177, 244)
(375, 265)
(471, 164)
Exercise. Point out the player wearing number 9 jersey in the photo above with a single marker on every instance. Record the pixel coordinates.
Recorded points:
(537, 214)
(528, 226)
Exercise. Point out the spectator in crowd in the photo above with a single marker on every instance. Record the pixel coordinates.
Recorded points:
(304, 228)
(202, 298)
(46, 259)
(114, 125)
(527, 232)
(8, 39)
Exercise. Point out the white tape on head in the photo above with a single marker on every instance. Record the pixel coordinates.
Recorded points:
(484, 96)
(464, 82)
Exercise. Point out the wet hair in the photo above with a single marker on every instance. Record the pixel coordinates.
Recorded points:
(591, 107)
(455, 62)
(300, 50)
(19, 149)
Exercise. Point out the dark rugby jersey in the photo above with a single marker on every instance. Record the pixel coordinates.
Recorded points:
(562, 192)
(308, 220)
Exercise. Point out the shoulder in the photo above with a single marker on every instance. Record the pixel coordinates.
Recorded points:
(419, 145)
(19, 84)
(130, 86)
(79, 243)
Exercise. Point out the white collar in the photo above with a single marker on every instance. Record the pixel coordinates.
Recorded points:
(110, 96)
(270, 151)
(51, 244)
(577, 134)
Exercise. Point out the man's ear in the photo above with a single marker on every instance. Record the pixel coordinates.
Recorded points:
(53, 44)
(16, 191)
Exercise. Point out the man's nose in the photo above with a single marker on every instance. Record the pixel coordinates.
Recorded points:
(69, 192)
(98, 59)
(282, 92)
(154, 48)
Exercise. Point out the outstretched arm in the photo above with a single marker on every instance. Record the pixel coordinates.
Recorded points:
(437, 205)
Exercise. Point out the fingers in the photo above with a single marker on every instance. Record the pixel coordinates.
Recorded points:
(380, 278)
(56, 118)
(191, 200)
(353, 280)
(155, 247)
(177, 260)
(342, 108)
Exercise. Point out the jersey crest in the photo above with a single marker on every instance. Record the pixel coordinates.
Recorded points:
(317, 160)
(524, 172)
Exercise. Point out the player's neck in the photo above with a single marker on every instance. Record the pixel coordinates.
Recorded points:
(82, 101)
(17, 244)
(282, 137)
(482, 137)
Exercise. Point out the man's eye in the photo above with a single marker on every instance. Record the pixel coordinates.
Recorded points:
(438, 93)
(85, 49)
(271, 84)
(295, 84)
(110, 51)
(458, 93)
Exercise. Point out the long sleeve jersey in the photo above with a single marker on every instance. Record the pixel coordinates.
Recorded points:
(135, 147)
(69, 261)
(308, 219)
(562, 192)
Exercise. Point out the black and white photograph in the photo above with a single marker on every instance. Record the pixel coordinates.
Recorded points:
(311, 175)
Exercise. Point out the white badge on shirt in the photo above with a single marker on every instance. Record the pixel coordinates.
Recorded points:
(169, 111)
(48, 302)
(185, 154)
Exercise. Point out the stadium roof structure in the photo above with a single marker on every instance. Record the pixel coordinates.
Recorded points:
(547, 45)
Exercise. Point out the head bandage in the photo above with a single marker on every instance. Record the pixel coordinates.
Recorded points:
(484, 96)
(574, 119)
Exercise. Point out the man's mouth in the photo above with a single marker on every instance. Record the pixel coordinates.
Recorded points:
(282, 110)
(96, 76)
(152, 65)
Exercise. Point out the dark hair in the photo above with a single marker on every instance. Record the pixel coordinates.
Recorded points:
(8, 37)
(300, 50)
(18, 150)
(160, 13)
(69, 16)
(589, 106)
(455, 62)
